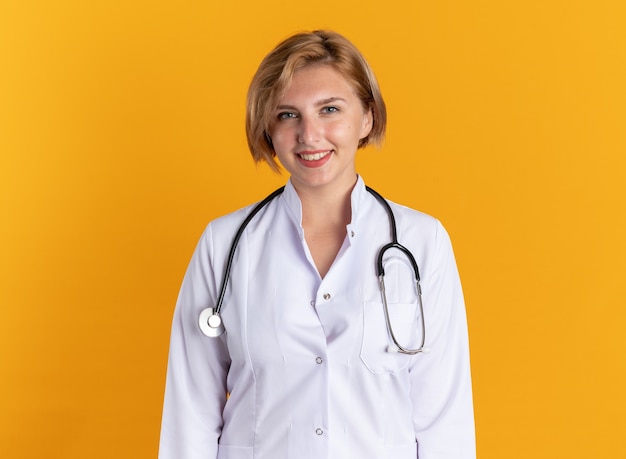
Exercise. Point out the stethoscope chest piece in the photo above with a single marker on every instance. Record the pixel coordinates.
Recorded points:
(211, 323)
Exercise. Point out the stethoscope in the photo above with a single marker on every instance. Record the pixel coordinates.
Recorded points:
(210, 320)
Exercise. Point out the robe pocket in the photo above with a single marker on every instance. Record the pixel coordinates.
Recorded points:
(234, 452)
(376, 337)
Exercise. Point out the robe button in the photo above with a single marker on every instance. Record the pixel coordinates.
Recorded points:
(319, 360)
(327, 296)
(319, 431)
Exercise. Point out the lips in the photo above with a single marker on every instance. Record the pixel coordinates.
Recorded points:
(314, 155)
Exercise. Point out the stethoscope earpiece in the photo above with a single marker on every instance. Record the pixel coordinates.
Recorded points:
(211, 323)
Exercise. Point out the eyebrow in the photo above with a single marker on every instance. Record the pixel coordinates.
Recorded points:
(317, 104)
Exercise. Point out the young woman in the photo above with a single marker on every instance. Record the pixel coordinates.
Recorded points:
(306, 358)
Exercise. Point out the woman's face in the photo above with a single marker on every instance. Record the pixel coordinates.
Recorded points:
(316, 129)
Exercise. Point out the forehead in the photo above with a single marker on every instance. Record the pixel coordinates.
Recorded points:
(319, 80)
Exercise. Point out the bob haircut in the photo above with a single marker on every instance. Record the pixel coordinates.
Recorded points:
(274, 75)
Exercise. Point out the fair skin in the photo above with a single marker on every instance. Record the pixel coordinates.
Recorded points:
(315, 133)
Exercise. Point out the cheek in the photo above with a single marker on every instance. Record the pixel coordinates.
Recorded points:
(280, 137)
(345, 133)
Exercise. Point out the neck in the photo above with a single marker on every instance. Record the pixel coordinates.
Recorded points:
(326, 207)
(325, 214)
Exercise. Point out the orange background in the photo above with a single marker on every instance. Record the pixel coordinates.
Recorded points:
(121, 136)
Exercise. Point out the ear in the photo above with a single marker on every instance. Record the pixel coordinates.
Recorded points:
(368, 123)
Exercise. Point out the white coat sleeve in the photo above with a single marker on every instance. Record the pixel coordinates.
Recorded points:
(441, 388)
(195, 390)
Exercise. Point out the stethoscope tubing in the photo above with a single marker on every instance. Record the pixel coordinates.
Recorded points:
(233, 246)
(210, 321)
(380, 271)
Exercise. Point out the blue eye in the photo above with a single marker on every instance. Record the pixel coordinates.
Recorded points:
(286, 115)
(330, 109)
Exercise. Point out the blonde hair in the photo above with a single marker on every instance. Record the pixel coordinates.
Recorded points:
(277, 69)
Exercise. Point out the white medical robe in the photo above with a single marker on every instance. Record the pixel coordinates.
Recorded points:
(305, 359)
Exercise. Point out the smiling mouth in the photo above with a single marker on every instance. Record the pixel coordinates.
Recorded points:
(314, 156)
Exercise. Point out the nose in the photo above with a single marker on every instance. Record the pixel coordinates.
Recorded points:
(308, 130)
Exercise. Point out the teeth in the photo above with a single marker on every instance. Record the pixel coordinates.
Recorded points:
(314, 156)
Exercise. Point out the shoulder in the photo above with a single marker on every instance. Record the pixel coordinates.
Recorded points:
(414, 225)
(230, 222)
(410, 223)
(228, 225)
(215, 241)
(409, 218)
